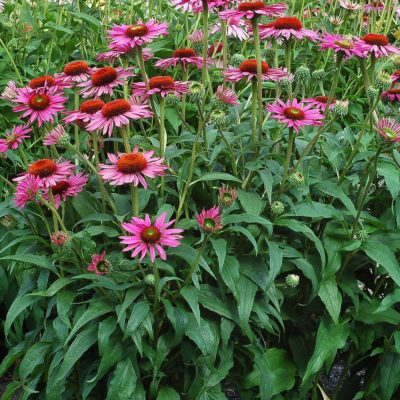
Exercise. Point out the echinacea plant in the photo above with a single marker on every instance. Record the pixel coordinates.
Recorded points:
(200, 200)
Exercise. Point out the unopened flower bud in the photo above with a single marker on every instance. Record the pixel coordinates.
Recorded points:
(149, 280)
(341, 108)
(302, 74)
(227, 196)
(296, 179)
(383, 81)
(318, 75)
(8, 221)
(277, 208)
(237, 59)
(172, 100)
(60, 239)
(218, 117)
(196, 91)
(372, 93)
(292, 280)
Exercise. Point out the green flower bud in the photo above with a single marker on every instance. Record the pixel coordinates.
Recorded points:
(277, 208)
(292, 280)
(341, 108)
(218, 117)
(196, 91)
(149, 280)
(383, 81)
(372, 93)
(318, 75)
(302, 74)
(296, 179)
(237, 59)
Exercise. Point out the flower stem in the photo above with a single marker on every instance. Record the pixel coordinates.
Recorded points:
(163, 137)
(195, 263)
(366, 189)
(86, 161)
(257, 45)
(135, 200)
(287, 160)
(52, 202)
(76, 128)
(224, 48)
(97, 160)
(254, 110)
(204, 73)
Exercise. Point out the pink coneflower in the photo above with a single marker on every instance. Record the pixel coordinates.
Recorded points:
(43, 82)
(197, 5)
(253, 9)
(395, 77)
(117, 113)
(233, 28)
(48, 171)
(160, 84)
(340, 44)
(68, 187)
(196, 37)
(320, 102)
(85, 113)
(10, 91)
(227, 196)
(99, 264)
(56, 136)
(389, 129)
(286, 28)
(374, 6)
(137, 35)
(225, 95)
(149, 237)
(117, 51)
(183, 57)
(74, 72)
(248, 70)
(27, 190)
(104, 81)
(295, 114)
(132, 168)
(41, 105)
(392, 95)
(209, 220)
(377, 45)
(14, 138)
(59, 238)
(350, 5)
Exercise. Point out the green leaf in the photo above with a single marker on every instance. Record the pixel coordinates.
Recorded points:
(392, 177)
(388, 301)
(246, 291)
(94, 310)
(245, 232)
(82, 343)
(247, 218)
(268, 182)
(12, 356)
(123, 383)
(298, 226)
(17, 307)
(34, 356)
(87, 18)
(60, 28)
(190, 295)
(139, 313)
(330, 338)
(382, 255)
(212, 176)
(331, 297)
(220, 250)
(203, 335)
(230, 273)
(275, 261)
(389, 373)
(32, 259)
(274, 373)
(167, 394)
(334, 190)
(251, 202)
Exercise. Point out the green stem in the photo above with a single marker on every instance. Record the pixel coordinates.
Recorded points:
(76, 128)
(135, 200)
(257, 45)
(204, 73)
(366, 189)
(194, 264)
(254, 110)
(287, 160)
(52, 202)
(97, 160)
(163, 137)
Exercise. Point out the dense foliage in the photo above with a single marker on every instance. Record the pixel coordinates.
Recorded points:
(208, 204)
